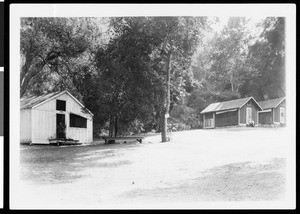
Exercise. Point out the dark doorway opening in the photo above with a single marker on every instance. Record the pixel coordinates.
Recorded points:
(60, 126)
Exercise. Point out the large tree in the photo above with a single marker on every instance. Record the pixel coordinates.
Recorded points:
(147, 65)
(267, 58)
(228, 54)
(125, 78)
(52, 49)
(179, 37)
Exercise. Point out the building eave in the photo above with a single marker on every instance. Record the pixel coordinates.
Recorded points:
(280, 102)
(254, 101)
(57, 95)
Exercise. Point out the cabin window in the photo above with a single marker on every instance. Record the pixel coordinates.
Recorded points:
(61, 105)
(209, 116)
(77, 121)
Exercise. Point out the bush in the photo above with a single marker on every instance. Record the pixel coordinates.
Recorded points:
(178, 127)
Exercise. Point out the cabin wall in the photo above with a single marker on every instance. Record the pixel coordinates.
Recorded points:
(265, 117)
(84, 135)
(227, 119)
(25, 125)
(44, 121)
(243, 112)
(277, 112)
(209, 120)
(43, 126)
(243, 115)
(255, 114)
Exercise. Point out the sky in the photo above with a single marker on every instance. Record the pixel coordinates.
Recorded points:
(251, 24)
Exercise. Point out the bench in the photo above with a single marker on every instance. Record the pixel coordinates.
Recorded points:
(109, 140)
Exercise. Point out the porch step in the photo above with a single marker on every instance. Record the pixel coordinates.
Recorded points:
(61, 142)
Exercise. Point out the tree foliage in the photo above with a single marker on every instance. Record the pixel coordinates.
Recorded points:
(131, 71)
(54, 51)
(267, 58)
(135, 64)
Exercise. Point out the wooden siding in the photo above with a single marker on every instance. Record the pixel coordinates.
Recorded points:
(25, 125)
(84, 135)
(43, 126)
(43, 121)
(208, 120)
(265, 117)
(254, 115)
(243, 115)
(277, 112)
(226, 119)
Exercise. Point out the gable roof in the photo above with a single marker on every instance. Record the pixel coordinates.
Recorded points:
(271, 103)
(32, 101)
(226, 105)
(35, 101)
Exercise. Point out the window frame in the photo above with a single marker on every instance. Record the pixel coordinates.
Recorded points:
(74, 124)
(65, 105)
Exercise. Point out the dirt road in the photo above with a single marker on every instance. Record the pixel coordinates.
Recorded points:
(224, 165)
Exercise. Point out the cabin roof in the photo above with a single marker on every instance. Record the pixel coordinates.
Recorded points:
(226, 105)
(34, 101)
(271, 103)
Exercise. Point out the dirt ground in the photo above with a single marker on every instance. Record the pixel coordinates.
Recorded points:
(221, 165)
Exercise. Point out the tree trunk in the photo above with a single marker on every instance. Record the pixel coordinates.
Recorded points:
(158, 124)
(231, 82)
(28, 75)
(111, 126)
(158, 121)
(164, 131)
(116, 126)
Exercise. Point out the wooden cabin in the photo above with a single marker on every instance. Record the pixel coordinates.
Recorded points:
(274, 111)
(43, 116)
(231, 113)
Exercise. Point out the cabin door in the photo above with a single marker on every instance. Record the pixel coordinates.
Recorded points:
(281, 115)
(249, 115)
(60, 126)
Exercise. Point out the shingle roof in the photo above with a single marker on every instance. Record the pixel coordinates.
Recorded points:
(29, 102)
(271, 103)
(231, 104)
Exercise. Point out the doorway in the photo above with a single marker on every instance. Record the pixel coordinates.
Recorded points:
(60, 126)
(249, 115)
(281, 115)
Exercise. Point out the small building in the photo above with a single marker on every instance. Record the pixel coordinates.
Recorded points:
(56, 115)
(273, 111)
(231, 113)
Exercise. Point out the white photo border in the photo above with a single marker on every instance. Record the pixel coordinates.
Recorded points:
(108, 10)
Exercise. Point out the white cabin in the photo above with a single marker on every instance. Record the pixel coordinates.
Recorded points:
(41, 116)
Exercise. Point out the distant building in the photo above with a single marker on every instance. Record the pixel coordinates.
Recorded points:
(53, 116)
(273, 111)
(231, 113)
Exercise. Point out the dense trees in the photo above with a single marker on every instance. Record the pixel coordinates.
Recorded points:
(140, 61)
(54, 50)
(132, 71)
(267, 59)
(235, 63)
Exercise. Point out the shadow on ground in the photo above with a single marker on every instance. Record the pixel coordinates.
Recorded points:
(45, 164)
(247, 181)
